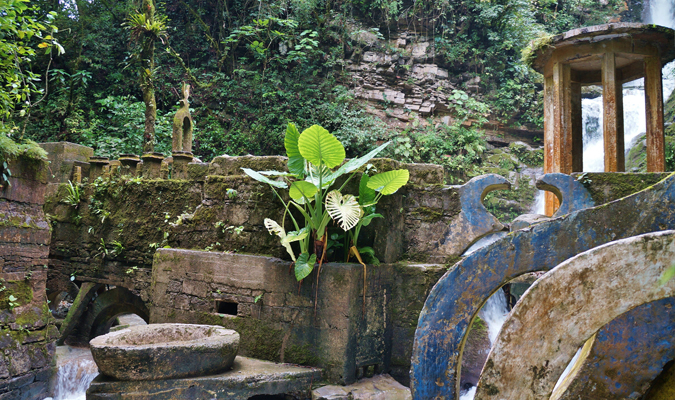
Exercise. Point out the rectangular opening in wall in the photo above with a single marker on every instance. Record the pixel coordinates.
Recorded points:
(227, 307)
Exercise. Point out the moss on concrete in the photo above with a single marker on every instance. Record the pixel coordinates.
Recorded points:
(606, 187)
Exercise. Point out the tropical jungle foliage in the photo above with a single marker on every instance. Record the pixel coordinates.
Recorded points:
(256, 65)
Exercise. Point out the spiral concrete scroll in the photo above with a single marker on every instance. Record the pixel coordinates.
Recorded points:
(567, 306)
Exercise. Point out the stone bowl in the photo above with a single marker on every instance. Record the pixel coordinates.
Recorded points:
(165, 351)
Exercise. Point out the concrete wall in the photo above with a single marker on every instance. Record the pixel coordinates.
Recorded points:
(27, 332)
(346, 337)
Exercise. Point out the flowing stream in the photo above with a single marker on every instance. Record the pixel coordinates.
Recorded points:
(76, 370)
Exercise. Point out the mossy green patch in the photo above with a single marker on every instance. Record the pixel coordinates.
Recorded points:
(606, 187)
(426, 214)
(301, 354)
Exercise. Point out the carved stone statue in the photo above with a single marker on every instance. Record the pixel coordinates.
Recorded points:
(182, 124)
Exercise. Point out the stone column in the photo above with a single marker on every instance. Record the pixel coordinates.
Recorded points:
(180, 163)
(97, 167)
(613, 115)
(656, 159)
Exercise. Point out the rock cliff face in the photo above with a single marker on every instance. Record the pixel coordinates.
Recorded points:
(402, 79)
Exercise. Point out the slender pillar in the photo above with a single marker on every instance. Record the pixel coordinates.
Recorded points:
(613, 115)
(551, 202)
(562, 122)
(577, 129)
(656, 159)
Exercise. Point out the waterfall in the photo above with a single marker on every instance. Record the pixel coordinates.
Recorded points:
(494, 313)
(76, 370)
(661, 12)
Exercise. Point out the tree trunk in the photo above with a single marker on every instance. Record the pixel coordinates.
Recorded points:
(147, 84)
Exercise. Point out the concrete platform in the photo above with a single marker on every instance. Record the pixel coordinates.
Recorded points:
(248, 377)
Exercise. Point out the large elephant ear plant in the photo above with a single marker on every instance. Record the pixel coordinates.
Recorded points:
(315, 161)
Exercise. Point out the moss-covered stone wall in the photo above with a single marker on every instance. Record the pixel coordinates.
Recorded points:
(27, 332)
(277, 317)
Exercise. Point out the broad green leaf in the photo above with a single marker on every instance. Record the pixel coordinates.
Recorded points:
(296, 164)
(304, 266)
(320, 174)
(365, 221)
(261, 178)
(389, 182)
(344, 209)
(318, 146)
(295, 236)
(356, 163)
(366, 194)
(301, 190)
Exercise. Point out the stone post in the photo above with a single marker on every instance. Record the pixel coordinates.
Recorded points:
(180, 163)
(152, 163)
(129, 163)
(97, 167)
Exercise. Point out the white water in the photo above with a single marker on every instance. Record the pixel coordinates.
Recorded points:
(76, 370)
(661, 13)
(494, 313)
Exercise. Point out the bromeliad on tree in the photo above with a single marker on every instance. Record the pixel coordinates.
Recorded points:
(315, 162)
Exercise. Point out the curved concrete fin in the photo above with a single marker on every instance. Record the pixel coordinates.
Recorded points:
(571, 194)
(567, 306)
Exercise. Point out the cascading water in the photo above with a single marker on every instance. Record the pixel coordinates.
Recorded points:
(76, 370)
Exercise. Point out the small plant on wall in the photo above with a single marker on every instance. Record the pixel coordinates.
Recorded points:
(315, 162)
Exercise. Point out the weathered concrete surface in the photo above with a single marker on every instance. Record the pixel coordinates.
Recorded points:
(191, 286)
(567, 306)
(457, 297)
(571, 194)
(248, 377)
(165, 351)
(628, 354)
(379, 387)
(474, 221)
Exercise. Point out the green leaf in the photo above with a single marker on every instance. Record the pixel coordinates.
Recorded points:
(389, 182)
(304, 266)
(301, 190)
(356, 163)
(366, 194)
(318, 146)
(365, 221)
(296, 163)
(261, 178)
(12, 298)
(295, 236)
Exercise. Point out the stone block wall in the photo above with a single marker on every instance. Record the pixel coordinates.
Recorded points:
(277, 318)
(27, 333)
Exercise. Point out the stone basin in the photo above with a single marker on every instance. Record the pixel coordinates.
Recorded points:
(164, 351)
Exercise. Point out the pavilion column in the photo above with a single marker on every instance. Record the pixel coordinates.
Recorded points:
(612, 93)
(577, 129)
(551, 201)
(656, 160)
(562, 120)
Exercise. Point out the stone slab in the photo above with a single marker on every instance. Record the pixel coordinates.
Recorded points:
(248, 377)
(379, 387)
